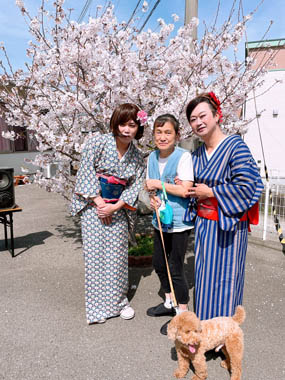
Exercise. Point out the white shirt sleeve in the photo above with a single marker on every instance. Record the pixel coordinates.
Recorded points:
(185, 167)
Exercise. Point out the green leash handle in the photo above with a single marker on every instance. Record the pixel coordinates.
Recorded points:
(164, 191)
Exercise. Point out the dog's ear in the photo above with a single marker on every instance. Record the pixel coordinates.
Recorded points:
(199, 332)
(172, 328)
(199, 327)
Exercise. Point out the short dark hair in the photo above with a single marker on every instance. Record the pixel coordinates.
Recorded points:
(167, 117)
(122, 114)
(200, 99)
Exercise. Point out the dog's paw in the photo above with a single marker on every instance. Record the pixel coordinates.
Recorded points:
(225, 365)
(179, 374)
(198, 378)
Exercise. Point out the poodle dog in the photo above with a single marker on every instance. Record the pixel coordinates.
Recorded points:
(194, 337)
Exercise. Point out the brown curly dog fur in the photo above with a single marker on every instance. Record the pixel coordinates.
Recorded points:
(194, 337)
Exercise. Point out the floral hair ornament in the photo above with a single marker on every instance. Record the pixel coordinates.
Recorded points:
(212, 95)
(142, 117)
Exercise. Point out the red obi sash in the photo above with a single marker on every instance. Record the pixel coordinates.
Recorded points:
(208, 209)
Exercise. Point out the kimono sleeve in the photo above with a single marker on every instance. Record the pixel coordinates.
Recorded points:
(243, 189)
(87, 185)
(130, 194)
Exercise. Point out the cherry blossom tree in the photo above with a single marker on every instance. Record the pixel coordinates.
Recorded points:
(78, 73)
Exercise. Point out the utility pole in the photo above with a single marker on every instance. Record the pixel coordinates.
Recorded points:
(191, 10)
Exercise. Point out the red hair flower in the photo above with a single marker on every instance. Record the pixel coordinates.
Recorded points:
(212, 95)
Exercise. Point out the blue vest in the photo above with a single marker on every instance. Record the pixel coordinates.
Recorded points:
(178, 204)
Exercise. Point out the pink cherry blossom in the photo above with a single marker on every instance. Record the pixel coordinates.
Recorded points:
(142, 117)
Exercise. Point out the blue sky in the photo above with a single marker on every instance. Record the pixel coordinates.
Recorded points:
(14, 30)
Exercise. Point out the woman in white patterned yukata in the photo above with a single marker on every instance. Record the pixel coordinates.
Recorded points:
(109, 179)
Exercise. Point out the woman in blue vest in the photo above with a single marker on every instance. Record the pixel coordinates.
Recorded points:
(164, 164)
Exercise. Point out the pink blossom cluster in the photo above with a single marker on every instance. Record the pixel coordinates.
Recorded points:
(142, 117)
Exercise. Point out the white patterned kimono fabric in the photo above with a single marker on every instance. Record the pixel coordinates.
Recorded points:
(105, 247)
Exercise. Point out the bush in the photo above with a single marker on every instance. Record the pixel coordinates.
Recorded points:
(144, 246)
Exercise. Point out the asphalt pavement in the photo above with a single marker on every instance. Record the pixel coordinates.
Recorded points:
(44, 334)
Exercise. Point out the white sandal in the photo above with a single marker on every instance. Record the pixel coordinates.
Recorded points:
(96, 322)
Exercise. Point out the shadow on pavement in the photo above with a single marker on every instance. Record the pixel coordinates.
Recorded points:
(27, 241)
(71, 230)
(135, 276)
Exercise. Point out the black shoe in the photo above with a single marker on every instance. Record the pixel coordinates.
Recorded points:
(163, 329)
(159, 311)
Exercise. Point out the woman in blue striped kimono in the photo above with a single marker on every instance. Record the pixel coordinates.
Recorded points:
(227, 185)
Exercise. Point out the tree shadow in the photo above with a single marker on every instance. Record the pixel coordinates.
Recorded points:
(135, 276)
(27, 241)
(142, 224)
(70, 230)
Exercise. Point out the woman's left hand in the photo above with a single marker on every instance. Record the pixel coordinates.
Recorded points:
(152, 184)
(105, 210)
(201, 191)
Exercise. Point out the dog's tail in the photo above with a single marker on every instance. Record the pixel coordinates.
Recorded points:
(239, 315)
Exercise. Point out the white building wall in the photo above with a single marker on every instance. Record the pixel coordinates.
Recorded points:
(272, 128)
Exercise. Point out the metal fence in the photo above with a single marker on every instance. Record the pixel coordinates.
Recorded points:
(271, 210)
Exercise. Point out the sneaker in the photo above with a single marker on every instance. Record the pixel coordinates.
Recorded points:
(127, 312)
(163, 329)
(160, 310)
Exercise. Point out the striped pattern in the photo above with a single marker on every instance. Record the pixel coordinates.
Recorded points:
(220, 246)
(219, 268)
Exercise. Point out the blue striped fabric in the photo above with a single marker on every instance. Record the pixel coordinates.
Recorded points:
(220, 246)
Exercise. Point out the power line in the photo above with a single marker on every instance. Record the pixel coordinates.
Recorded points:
(134, 11)
(84, 10)
(148, 17)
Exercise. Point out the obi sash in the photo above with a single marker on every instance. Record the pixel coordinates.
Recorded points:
(111, 187)
(208, 209)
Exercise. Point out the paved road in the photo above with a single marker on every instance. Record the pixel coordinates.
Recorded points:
(44, 334)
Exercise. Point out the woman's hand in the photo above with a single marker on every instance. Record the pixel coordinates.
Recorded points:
(155, 201)
(201, 191)
(107, 220)
(105, 210)
(153, 184)
(98, 201)
(177, 181)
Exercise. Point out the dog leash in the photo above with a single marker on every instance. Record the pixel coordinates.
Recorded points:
(165, 255)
